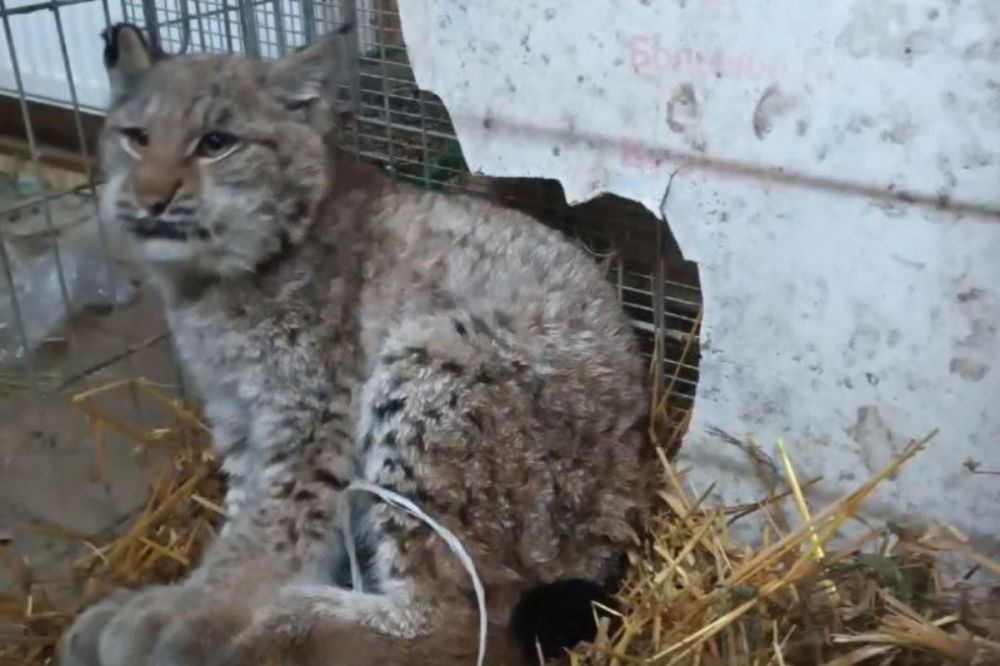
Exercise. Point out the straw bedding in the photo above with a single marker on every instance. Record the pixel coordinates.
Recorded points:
(693, 596)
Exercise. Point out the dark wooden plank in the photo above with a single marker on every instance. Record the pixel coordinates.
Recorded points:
(54, 127)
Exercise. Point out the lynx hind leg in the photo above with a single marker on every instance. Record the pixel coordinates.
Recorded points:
(312, 627)
(457, 418)
(446, 420)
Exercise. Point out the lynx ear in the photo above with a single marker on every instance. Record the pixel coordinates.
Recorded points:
(127, 56)
(307, 81)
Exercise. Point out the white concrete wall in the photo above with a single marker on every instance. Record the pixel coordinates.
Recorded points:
(810, 144)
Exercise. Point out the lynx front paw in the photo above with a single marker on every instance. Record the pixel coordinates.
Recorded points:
(118, 630)
(160, 626)
(80, 643)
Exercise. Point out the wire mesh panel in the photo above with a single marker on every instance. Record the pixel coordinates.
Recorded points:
(54, 254)
(266, 28)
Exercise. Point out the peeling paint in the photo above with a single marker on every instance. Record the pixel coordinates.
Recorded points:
(682, 109)
(771, 105)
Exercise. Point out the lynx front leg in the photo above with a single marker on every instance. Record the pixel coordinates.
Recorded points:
(282, 536)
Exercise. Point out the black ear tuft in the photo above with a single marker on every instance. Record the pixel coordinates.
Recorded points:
(557, 616)
(124, 40)
(127, 56)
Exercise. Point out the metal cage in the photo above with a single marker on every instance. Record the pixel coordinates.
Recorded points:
(405, 130)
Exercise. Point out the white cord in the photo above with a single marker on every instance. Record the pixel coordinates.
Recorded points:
(397, 500)
(357, 583)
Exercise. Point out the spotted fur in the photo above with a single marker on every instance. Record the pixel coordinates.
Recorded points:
(338, 324)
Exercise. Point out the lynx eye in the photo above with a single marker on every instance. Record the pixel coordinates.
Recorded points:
(135, 135)
(215, 144)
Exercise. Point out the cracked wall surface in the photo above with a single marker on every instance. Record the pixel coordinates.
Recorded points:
(834, 170)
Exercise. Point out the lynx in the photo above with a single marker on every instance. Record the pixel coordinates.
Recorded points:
(339, 325)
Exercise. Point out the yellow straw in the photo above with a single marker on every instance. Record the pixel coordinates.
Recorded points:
(800, 505)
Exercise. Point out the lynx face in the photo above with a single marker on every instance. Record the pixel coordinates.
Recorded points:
(213, 162)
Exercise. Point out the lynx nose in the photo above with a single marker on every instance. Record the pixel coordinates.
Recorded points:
(155, 185)
(155, 199)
